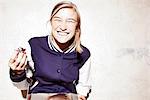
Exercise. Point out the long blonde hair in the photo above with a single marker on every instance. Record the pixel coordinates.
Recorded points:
(68, 4)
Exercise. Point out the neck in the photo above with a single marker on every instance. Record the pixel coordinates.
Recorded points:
(64, 46)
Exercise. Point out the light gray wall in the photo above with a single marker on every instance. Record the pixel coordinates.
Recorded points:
(116, 32)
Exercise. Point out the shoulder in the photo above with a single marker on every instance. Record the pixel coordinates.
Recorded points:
(37, 38)
(84, 55)
(38, 42)
(86, 51)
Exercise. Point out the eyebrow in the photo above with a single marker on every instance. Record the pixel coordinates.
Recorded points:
(72, 19)
(67, 18)
(56, 17)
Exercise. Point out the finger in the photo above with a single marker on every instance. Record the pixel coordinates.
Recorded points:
(17, 62)
(23, 62)
(12, 66)
(13, 56)
(12, 60)
(25, 65)
(21, 49)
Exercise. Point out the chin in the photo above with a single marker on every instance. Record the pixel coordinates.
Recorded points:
(62, 42)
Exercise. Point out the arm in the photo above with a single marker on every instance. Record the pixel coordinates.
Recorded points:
(84, 86)
(17, 64)
(19, 68)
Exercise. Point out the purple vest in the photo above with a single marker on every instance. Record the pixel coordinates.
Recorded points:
(55, 71)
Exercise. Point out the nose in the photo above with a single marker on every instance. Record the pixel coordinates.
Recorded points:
(63, 26)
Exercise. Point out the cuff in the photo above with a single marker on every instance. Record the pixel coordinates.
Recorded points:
(17, 77)
(83, 90)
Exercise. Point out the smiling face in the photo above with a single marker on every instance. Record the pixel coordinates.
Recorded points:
(64, 24)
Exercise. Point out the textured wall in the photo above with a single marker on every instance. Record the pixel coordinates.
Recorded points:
(116, 32)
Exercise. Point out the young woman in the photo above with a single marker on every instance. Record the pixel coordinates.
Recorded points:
(57, 66)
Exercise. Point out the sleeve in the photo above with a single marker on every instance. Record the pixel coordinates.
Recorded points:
(84, 83)
(20, 81)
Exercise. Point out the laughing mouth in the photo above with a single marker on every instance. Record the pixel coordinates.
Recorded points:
(62, 33)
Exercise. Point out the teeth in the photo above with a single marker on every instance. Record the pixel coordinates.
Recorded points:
(62, 32)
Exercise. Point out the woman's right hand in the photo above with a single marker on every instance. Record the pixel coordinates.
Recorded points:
(18, 61)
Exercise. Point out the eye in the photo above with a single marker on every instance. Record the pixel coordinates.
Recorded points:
(57, 20)
(71, 21)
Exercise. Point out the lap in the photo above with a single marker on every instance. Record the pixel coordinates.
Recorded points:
(53, 96)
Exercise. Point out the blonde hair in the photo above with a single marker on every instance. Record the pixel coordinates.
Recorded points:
(68, 4)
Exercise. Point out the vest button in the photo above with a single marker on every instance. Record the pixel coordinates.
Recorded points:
(58, 70)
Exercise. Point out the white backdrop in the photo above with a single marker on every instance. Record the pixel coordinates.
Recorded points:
(116, 31)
